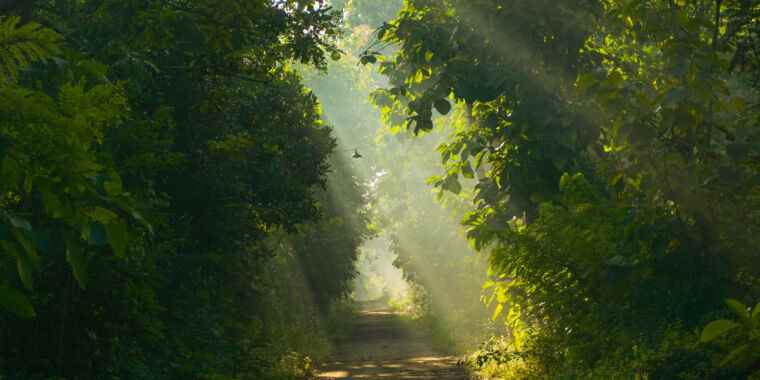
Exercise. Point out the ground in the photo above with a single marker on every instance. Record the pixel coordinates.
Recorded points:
(380, 346)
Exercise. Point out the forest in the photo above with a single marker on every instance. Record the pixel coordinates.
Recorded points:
(379, 189)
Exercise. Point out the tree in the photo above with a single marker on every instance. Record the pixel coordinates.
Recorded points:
(604, 142)
(157, 148)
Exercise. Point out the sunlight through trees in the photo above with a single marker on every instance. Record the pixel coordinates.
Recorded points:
(254, 189)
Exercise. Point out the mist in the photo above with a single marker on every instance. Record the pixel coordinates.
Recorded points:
(419, 262)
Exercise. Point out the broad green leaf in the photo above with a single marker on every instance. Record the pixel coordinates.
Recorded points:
(717, 328)
(502, 296)
(28, 184)
(367, 58)
(118, 236)
(739, 309)
(756, 314)
(620, 261)
(467, 171)
(16, 302)
(113, 186)
(20, 222)
(617, 178)
(629, 22)
(451, 184)
(497, 311)
(24, 263)
(102, 215)
(28, 246)
(382, 31)
(734, 355)
(136, 216)
(442, 106)
(25, 271)
(419, 76)
(79, 260)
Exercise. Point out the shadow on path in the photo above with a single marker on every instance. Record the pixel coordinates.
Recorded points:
(381, 347)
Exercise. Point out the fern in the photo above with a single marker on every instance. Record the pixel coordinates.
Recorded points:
(22, 45)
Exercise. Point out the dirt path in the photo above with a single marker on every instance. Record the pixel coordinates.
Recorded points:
(381, 347)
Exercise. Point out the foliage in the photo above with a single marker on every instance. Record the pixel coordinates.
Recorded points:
(612, 145)
(165, 186)
(744, 352)
(174, 204)
(23, 45)
(58, 191)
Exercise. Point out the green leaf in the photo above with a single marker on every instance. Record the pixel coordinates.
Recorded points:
(620, 261)
(716, 329)
(118, 236)
(756, 313)
(739, 309)
(451, 183)
(442, 106)
(25, 271)
(419, 76)
(22, 44)
(25, 265)
(20, 223)
(497, 311)
(113, 186)
(629, 22)
(368, 58)
(102, 215)
(467, 171)
(734, 355)
(16, 302)
(79, 260)
(381, 31)
(139, 219)
(29, 247)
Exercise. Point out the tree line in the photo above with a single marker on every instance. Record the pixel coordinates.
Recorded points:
(164, 209)
(614, 145)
